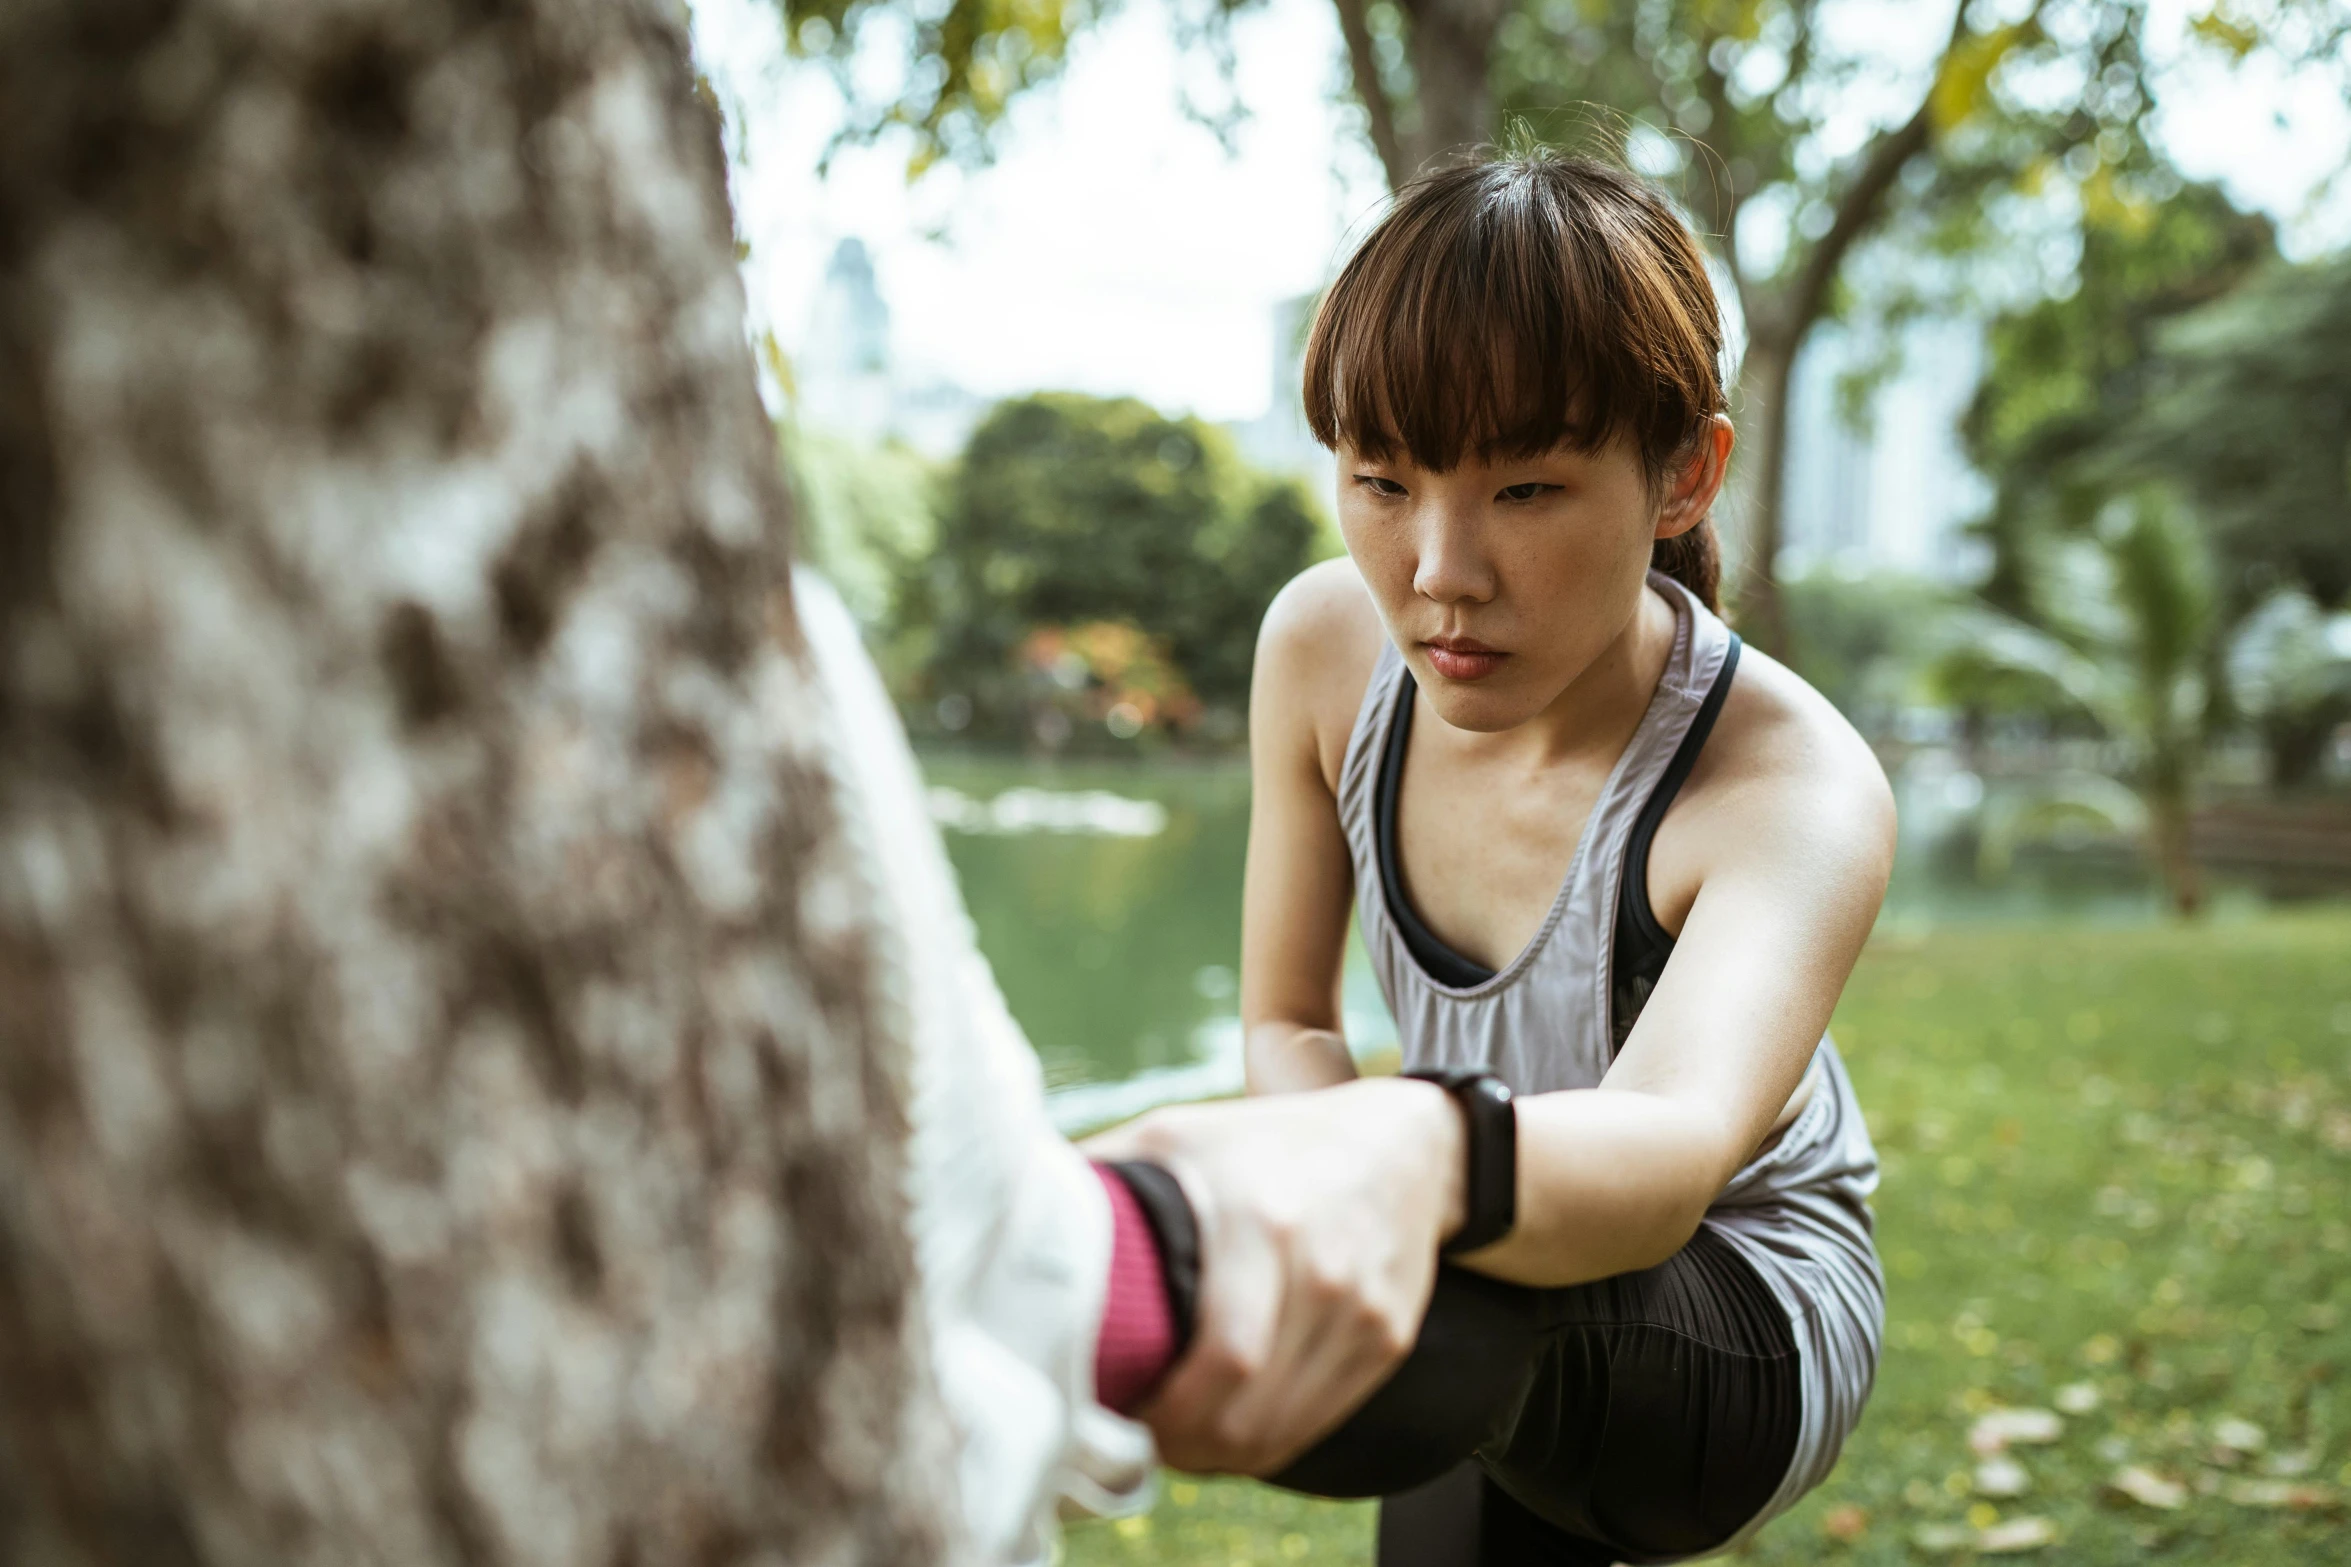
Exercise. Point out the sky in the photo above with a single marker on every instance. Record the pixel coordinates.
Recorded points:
(1116, 247)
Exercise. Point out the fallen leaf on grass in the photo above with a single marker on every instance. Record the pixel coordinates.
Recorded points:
(1942, 1537)
(2238, 1436)
(2001, 1476)
(2293, 1495)
(2000, 1539)
(2336, 1129)
(1996, 1429)
(1845, 1524)
(2148, 1488)
(2017, 1534)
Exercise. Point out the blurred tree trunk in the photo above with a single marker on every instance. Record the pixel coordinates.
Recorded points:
(1451, 109)
(448, 1094)
(2169, 819)
(1760, 482)
(2297, 744)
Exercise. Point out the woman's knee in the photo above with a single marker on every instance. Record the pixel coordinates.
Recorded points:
(1460, 1386)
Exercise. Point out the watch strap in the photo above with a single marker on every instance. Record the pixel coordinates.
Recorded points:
(1490, 1189)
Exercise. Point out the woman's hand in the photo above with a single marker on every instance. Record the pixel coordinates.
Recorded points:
(1320, 1216)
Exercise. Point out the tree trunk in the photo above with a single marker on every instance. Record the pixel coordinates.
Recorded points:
(2297, 744)
(1753, 541)
(2175, 859)
(1452, 46)
(448, 1104)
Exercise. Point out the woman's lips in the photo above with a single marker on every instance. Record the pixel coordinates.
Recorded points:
(1464, 660)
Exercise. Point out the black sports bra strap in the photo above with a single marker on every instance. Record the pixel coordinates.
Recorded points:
(1444, 965)
(1633, 891)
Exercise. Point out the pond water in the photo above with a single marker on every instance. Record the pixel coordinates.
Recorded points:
(1108, 895)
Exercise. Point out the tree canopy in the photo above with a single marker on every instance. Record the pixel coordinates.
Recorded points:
(1069, 515)
(2248, 409)
(2068, 372)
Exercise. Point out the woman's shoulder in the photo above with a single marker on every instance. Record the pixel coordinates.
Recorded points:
(1783, 785)
(1316, 651)
(1780, 745)
(1776, 729)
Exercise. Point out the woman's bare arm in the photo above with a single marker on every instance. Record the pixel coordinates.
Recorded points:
(1795, 834)
(1314, 657)
(1318, 1250)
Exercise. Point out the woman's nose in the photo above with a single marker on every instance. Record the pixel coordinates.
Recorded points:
(1452, 567)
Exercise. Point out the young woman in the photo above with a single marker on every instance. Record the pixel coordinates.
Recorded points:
(1597, 853)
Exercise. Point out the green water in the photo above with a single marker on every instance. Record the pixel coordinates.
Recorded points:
(1119, 950)
(1111, 950)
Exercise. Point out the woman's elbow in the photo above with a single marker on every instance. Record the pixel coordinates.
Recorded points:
(1668, 1232)
(1279, 1056)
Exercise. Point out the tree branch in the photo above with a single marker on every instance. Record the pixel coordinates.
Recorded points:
(1858, 208)
(1364, 63)
(1800, 48)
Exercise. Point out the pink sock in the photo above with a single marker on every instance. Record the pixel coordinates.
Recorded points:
(1138, 1329)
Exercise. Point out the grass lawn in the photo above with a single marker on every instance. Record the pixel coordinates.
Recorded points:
(2118, 1184)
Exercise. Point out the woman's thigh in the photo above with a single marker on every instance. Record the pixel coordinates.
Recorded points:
(1663, 1410)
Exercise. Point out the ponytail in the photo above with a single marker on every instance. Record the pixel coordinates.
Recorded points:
(1693, 558)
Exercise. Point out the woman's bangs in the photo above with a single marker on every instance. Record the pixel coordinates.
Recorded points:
(1442, 346)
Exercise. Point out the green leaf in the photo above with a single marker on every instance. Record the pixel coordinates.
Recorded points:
(1967, 72)
(2218, 28)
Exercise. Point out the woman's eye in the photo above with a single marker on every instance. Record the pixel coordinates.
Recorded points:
(1525, 492)
(1379, 486)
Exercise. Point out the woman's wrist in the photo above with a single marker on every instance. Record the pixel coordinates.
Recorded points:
(1489, 1120)
(1441, 1143)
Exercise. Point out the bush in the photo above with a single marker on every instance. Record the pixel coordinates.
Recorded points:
(1068, 515)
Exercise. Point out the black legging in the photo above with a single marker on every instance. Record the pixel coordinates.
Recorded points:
(1632, 1419)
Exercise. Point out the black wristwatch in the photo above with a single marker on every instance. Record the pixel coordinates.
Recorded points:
(1490, 1199)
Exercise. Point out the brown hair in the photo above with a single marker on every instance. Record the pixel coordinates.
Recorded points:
(1513, 306)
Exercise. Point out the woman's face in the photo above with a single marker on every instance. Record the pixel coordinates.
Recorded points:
(1502, 582)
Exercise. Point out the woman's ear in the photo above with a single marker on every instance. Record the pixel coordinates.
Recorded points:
(1691, 490)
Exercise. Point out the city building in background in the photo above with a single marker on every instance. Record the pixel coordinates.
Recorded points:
(1278, 440)
(1892, 491)
(849, 381)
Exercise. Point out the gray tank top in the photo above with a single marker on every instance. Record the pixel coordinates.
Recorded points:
(1548, 1020)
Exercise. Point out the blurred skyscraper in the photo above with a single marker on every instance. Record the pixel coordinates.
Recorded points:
(1278, 439)
(849, 381)
(1895, 493)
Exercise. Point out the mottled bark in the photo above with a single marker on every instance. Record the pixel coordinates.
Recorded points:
(448, 1110)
